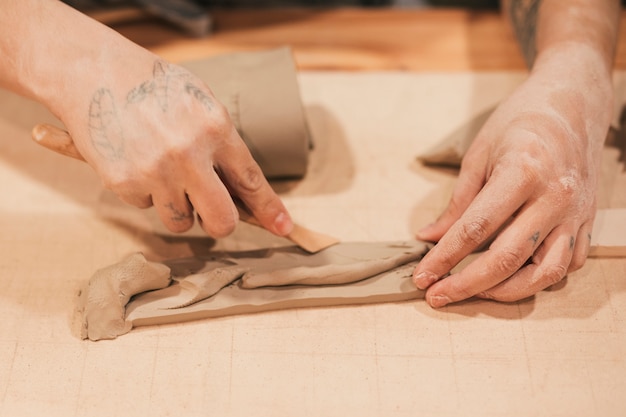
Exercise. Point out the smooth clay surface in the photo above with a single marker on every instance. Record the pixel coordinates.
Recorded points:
(261, 92)
(247, 282)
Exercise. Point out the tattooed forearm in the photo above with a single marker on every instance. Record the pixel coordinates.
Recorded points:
(523, 15)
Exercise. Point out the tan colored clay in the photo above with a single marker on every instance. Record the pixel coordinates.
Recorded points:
(346, 273)
(111, 288)
(261, 92)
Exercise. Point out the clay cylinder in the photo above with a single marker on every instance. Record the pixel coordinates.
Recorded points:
(261, 92)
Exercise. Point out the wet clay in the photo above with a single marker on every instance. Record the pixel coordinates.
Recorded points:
(110, 289)
(213, 286)
(346, 263)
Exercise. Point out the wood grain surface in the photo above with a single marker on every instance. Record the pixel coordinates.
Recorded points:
(350, 38)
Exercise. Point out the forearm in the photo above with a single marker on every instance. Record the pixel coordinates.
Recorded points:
(545, 27)
(54, 54)
(570, 47)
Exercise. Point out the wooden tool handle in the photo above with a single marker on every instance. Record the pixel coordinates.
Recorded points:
(55, 139)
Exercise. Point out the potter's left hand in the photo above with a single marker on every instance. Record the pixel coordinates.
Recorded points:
(529, 180)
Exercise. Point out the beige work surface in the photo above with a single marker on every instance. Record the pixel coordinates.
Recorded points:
(562, 353)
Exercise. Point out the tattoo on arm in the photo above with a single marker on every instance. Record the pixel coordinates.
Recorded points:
(137, 94)
(161, 84)
(523, 14)
(157, 87)
(104, 125)
(200, 95)
(165, 80)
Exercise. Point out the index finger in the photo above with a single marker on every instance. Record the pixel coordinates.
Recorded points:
(246, 181)
(484, 216)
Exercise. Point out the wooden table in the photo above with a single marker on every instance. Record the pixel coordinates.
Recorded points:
(561, 353)
(353, 39)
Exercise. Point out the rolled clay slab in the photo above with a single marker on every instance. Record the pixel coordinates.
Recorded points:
(262, 95)
(153, 308)
(215, 286)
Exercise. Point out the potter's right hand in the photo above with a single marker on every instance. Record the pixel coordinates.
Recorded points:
(153, 131)
(168, 142)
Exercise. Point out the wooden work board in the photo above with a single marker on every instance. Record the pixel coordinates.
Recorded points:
(561, 353)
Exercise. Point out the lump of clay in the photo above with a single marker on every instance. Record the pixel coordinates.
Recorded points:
(111, 288)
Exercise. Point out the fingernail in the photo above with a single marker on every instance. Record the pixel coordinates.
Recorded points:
(423, 280)
(437, 301)
(283, 224)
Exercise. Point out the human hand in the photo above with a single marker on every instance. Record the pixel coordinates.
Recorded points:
(166, 141)
(529, 180)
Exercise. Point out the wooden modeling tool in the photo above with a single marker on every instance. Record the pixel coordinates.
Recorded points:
(306, 239)
(60, 141)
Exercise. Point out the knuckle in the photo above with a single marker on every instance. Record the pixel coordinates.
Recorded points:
(526, 167)
(567, 187)
(176, 150)
(577, 262)
(529, 172)
(127, 189)
(251, 179)
(221, 227)
(510, 260)
(475, 231)
(120, 184)
(440, 259)
(565, 192)
(150, 169)
(553, 274)
(220, 125)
